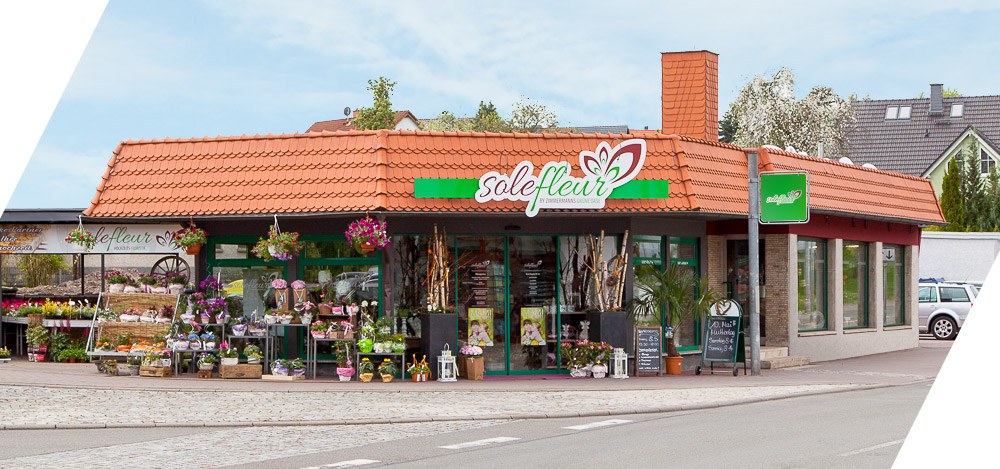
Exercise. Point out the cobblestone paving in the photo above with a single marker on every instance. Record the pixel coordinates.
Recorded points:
(29, 405)
(239, 446)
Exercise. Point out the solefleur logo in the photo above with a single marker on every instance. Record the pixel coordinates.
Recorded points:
(788, 198)
(553, 188)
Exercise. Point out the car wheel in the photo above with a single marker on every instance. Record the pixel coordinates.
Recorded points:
(944, 328)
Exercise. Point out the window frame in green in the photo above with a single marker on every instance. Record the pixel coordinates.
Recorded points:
(867, 282)
(825, 282)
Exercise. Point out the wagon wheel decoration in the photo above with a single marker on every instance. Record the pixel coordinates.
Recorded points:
(171, 264)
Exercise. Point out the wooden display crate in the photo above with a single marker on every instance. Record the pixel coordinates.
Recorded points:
(205, 374)
(156, 371)
(244, 371)
(282, 378)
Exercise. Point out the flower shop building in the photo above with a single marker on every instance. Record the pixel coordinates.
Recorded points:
(519, 211)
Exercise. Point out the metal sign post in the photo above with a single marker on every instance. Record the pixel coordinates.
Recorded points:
(754, 245)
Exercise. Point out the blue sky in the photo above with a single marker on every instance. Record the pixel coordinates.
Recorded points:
(191, 69)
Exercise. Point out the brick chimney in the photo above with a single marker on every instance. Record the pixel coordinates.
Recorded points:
(937, 99)
(690, 96)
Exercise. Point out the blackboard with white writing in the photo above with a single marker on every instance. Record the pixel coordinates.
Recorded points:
(647, 349)
(721, 339)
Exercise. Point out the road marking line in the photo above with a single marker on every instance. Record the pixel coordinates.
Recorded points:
(351, 463)
(488, 441)
(873, 448)
(602, 423)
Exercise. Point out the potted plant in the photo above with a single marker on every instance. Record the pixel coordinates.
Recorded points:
(253, 354)
(132, 364)
(297, 367)
(280, 367)
(116, 281)
(176, 282)
(258, 328)
(346, 330)
(166, 358)
(306, 310)
(366, 369)
(129, 315)
(280, 287)
(271, 317)
(208, 340)
(299, 292)
(85, 240)
(680, 295)
(345, 369)
(228, 355)
(318, 329)
(367, 234)
(148, 282)
(278, 245)
(601, 352)
(37, 337)
(398, 344)
(576, 355)
(206, 361)
(333, 331)
(191, 239)
(419, 371)
(131, 286)
(5, 355)
(239, 326)
(387, 370)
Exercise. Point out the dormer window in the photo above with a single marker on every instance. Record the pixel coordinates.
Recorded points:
(957, 109)
(897, 112)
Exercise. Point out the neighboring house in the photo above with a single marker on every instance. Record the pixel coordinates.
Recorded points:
(405, 120)
(919, 136)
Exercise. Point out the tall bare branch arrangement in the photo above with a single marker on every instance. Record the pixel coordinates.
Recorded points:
(608, 276)
(437, 272)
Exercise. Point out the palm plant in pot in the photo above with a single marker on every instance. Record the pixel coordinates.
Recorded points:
(677, 293)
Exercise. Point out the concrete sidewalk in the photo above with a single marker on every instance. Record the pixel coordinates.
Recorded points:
(52, 395)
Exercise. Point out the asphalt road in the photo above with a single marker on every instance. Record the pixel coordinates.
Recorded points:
(847, 429)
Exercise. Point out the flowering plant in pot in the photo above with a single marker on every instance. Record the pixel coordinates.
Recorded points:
(345, 369)
(129, 315)
(208, 340)
(318, 329)
(280, 367)
(116, 281)
(4, 353)
(37, 338)
(191, 239)
(253, 354)
(367, 234)
(346, 330)
(366, 369)
(387, 370)
(300, 292)
(398, 344)
(682, 294)
(206, 361)
(306, 309)
(194, 341)
(419, 371)
(297, 367)
(576, 355)
(176, 282)
(82, 238)
(165, 358)
(258, 328)
(228, 355)
(278, 245)
(210, 285)
(239, 326)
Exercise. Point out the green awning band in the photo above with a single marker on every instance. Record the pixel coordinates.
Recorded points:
(466, 189)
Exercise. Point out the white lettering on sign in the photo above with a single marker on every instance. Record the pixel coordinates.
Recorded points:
(604, 170)
(788, 198)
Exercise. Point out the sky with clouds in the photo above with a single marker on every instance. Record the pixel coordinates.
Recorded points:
(213, 67)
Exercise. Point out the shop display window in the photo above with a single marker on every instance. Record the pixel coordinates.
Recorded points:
(855, 278)
(647, 258)
(893, 309)
(812, 284)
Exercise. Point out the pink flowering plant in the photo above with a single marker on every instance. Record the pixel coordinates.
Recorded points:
(278, 245)
(298, 284)
(225, 351)
(367, 231)
(471, 350)
(279, 284)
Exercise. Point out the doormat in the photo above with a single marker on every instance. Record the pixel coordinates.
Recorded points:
(524, 377)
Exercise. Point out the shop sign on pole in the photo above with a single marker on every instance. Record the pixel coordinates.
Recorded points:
(784, 197)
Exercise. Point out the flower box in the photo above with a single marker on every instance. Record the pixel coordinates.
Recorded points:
(245, 371)
(155, 371)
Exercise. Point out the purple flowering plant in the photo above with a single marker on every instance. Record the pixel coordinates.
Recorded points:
(367, 230)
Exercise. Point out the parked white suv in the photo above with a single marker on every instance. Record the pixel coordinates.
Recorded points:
(944, 306)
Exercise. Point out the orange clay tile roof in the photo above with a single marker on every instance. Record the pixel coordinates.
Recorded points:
(330, 172)
(345, 124)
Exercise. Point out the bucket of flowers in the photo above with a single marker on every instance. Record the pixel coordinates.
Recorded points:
(191, 239)
(366, 369)
(81, 239)
(176, 282)
(239, 326)
(278, 245)
(228, 355)
(116, 281)
(419, 371)
(345, 369)
(387, 370)
(253, 354)
(367, 234)
(206, 361)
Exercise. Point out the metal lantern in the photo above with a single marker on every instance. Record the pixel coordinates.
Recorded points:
(446, 365)
(621, 364)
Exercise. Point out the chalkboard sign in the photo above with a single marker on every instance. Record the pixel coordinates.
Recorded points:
(721, 339)
(647, 349)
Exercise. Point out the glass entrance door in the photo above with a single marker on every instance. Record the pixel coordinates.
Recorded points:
(532, 299)
(738, 279)
(482, 272)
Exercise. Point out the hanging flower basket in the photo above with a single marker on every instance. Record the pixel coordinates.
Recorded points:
(278, 245)
(191, 239)
(83, 239)
(367, 235)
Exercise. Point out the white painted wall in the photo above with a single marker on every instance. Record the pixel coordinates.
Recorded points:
(958, 257)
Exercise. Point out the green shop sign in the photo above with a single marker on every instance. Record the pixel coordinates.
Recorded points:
(608, 174)
(784, 197)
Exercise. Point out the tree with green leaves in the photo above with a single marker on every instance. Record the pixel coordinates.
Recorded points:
(728, 128)
(951, 199)
(488, 119)
(971, 188)
(992, 201)
(380, 115)
(530, 116)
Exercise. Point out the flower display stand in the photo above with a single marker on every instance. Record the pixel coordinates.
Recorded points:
(244, 371)
(156, 371)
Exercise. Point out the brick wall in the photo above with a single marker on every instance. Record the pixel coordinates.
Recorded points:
(716, 263)
(776, 308)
